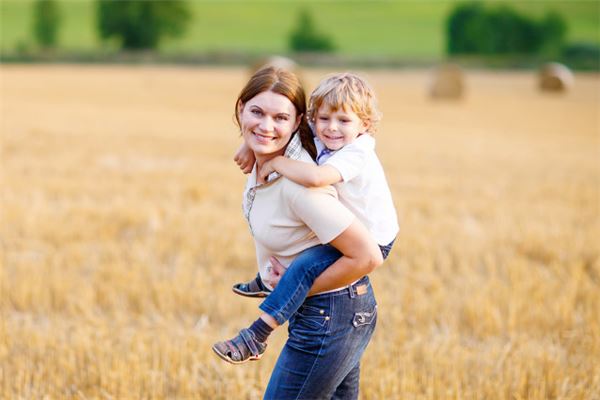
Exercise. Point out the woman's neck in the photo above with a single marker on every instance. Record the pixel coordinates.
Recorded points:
(263, 158)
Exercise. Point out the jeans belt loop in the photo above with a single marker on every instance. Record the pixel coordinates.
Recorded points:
(351, 291)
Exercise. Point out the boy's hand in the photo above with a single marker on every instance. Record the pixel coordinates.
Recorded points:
(244, 158)
(277, 271)
(266, 170)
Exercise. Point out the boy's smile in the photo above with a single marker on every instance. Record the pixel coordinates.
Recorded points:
(337, 128)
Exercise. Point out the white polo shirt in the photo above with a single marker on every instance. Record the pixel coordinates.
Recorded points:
(286, 218)
(364, 189)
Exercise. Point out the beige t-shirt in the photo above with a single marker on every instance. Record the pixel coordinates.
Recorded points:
(286, 218)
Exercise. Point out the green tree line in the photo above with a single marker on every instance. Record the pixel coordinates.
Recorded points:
(137, 25)
(473, 28)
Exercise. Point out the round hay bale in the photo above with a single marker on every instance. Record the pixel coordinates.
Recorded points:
(276, 61)
(447, 82)
(555, 77)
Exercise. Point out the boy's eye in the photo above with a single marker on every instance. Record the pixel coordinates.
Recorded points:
(323, 118)
(345, 120)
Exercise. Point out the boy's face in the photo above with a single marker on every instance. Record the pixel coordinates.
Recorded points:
(337, 128)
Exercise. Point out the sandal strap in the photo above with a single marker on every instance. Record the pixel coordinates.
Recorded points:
(256, 285)
(236, 353)
(238, 348)
(248, 338)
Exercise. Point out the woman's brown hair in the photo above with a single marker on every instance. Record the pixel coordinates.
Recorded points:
(285, 83)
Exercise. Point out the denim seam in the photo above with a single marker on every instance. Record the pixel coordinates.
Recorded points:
(327, 332)
(278, 313)
(331, 314)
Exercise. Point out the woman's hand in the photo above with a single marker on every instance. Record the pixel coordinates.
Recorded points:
(276, 272)
(244, 158)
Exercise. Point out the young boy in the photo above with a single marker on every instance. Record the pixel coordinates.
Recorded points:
(343, 115)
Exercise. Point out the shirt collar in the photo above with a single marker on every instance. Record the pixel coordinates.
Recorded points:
(323, 153)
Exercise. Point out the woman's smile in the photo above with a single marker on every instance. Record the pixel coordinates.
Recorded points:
(264, 139)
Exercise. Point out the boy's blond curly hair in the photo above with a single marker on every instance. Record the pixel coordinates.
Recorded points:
(346, 91)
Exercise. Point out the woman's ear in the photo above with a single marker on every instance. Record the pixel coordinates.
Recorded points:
(240, 108)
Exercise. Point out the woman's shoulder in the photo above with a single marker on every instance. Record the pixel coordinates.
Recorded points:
(305, 157)
(319, 208)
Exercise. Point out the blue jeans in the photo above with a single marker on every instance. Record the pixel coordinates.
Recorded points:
(327, 337)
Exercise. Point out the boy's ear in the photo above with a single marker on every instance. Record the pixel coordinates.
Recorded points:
(366, 125)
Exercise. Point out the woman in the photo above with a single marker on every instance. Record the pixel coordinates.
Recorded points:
(329, 333)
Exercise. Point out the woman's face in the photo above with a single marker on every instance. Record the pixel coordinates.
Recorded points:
(268, 121)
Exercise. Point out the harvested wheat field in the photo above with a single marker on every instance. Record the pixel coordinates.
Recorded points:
(122, 233)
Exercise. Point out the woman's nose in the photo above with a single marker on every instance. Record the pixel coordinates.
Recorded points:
(266, 124)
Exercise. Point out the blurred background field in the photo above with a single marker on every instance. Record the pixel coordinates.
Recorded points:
(121, 234)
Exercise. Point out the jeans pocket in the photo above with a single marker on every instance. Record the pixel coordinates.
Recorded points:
(312, 318)
(364, 317)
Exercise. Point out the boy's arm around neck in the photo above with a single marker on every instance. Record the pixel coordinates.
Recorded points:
(305, 174)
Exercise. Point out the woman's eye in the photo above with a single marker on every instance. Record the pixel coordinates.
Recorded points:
(282, 118)
(256, 112)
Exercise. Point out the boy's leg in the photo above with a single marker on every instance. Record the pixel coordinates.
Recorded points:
(295, 284)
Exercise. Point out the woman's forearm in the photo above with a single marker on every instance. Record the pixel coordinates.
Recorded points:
(341, 273)
(360, 256)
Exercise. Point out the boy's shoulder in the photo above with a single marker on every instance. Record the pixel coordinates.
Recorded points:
(365, 140)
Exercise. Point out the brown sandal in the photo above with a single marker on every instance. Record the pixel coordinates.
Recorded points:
(242, 348)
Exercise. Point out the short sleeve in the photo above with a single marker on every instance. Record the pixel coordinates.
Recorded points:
(352, 158)
(322, 212)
